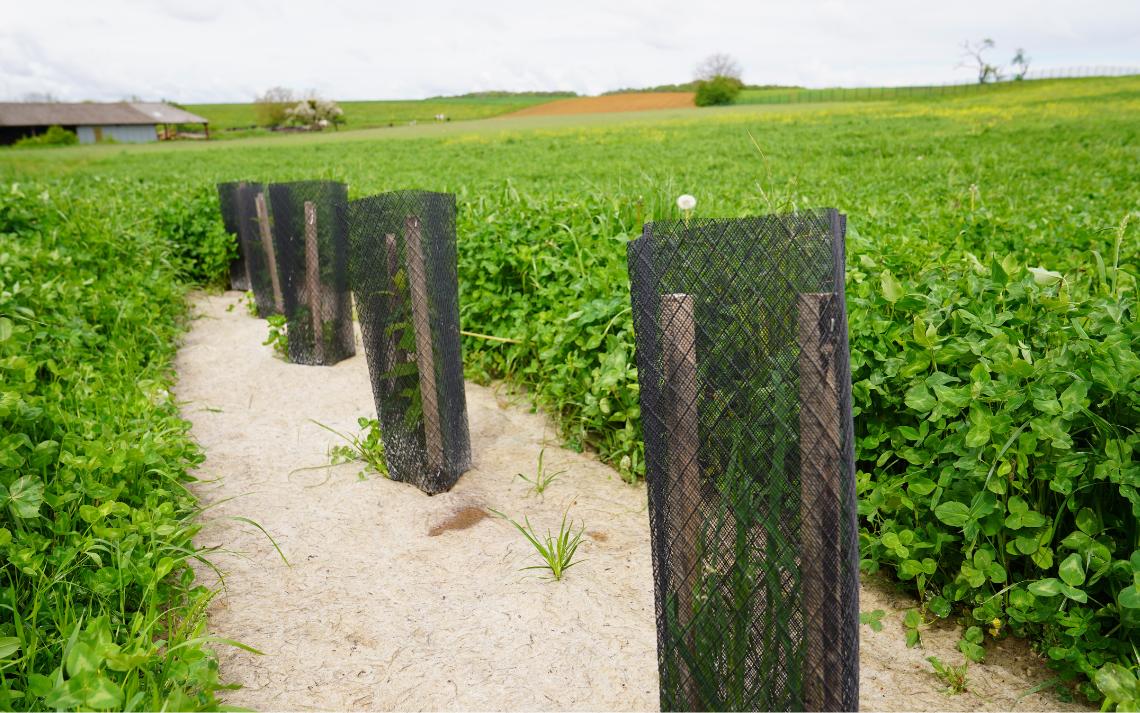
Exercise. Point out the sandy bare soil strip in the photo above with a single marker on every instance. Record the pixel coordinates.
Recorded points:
(634, 101)
(396, 600)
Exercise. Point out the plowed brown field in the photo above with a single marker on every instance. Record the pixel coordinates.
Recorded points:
(640, 101)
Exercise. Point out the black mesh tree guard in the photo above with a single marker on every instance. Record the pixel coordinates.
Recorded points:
(310, 239)
(746, 408)
(255, 234)
(228, 202)
(407, 296)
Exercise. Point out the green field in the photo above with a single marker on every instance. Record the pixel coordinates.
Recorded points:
(241, 119)
(799, 95)
(992, 268)
(1021, 92)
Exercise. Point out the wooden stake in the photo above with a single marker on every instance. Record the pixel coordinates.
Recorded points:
(421, 325)
(819, 492)
(679, 356)
(270, 253)
(313, 279)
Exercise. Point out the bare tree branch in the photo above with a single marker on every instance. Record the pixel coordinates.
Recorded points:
(718, 65)
(271, 106)
(973, 55)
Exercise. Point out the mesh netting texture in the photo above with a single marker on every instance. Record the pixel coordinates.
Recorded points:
(228, 203)
(745, 385)
(255, 235)
(404, 277)
(310, 240)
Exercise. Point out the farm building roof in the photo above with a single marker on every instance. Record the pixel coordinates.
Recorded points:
(168, 114)
(92, 114)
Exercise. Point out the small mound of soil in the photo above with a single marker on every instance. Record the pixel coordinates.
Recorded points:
(461, 519)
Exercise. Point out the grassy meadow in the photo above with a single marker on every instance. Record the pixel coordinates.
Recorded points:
(241, 119)
(993, 248)
(799, 95)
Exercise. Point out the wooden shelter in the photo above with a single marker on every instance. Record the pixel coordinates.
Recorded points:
(94, 122)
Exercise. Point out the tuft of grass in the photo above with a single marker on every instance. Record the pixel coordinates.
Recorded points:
(542, 476)
(953, 676)
(557, 551)
(367, 448)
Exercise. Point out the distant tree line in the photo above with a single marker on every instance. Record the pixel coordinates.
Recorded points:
(692, 87)
(496, 94)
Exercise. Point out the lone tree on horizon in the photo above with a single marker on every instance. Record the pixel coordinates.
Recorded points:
(718, 65)
(718, 80)
(1021, 62)
(271, 107)
(974, 55)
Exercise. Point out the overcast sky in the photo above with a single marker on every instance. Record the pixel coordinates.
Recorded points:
(219, 50)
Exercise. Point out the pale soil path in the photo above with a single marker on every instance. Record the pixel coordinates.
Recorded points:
(394, 600)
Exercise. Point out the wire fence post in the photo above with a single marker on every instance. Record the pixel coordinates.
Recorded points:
(745, 399)
(310, 237)
(404, 267)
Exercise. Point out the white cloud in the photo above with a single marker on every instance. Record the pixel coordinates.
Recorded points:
(213, 50)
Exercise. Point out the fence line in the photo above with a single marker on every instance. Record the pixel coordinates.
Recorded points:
(838, 94)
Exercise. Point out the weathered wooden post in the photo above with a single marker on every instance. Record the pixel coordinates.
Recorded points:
(421, 325)
(270, 252)
(255, 235)
(679, 369)
(820, 488)
(313, 280)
